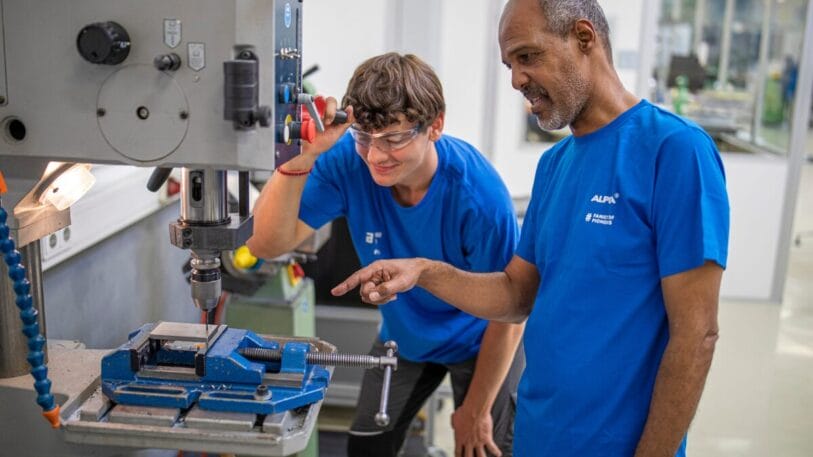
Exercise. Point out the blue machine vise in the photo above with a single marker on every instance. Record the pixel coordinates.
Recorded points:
(175, 365)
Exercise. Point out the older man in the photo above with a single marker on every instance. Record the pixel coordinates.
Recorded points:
(621, 254)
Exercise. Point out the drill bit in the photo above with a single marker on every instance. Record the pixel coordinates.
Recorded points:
(206, 331)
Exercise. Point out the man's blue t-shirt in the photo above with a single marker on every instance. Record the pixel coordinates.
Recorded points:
(466, 219)
(611, 214)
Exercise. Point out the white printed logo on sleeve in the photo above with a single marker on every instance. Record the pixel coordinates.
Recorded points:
(604, 209)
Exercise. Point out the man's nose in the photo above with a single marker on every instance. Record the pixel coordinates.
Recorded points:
(518, 78)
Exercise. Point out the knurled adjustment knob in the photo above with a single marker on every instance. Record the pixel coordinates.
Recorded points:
(104, 43)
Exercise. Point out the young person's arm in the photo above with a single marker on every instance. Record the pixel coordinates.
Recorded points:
(277, 227)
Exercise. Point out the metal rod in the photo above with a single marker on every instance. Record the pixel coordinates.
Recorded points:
(322, 358)
(243, 193)
(382, 418)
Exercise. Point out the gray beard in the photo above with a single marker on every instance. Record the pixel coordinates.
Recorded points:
(571, 102)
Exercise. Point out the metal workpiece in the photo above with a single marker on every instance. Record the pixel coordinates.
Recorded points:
(216, 420)
(94, 407)
(204, 197)
(175, 331)
(141, 415)
(13, 343)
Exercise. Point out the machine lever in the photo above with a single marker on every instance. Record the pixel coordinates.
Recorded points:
(340, 117)
(157, 179)
(382, 418)
(310, 104)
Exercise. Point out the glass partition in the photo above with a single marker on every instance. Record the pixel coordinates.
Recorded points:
(732, 66)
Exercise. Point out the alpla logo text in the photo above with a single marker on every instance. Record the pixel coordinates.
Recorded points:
(609, 199)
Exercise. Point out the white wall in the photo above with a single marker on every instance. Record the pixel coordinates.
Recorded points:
(453, 36)
(339, 35)
(468, 48)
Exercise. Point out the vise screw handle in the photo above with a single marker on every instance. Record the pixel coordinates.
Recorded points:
(382, 418)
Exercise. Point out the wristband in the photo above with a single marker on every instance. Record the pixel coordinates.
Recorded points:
(294, 173)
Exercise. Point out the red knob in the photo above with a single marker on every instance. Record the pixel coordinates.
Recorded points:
(308, 131)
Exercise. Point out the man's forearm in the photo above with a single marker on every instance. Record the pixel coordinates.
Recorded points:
(492, 296)
(678, 387)
(497, 351)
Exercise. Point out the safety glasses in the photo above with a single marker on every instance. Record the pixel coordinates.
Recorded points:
(385, 142)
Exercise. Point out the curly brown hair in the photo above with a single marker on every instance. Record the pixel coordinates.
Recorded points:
(385, 86)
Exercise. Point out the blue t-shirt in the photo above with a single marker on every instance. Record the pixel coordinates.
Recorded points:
(466, 219)
(611, 214)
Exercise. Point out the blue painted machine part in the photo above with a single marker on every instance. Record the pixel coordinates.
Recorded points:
(229, 382)
(293, 359)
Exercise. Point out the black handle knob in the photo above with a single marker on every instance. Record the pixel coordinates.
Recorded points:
(105, 43)
(340, 117)
(167, 62)
(263, 115)
(157, 179)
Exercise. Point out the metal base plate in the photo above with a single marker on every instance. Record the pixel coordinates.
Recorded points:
(196, 430)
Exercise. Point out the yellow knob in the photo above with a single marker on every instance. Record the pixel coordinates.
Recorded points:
(243, 258)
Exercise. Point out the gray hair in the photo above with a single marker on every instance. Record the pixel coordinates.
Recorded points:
(561, 15)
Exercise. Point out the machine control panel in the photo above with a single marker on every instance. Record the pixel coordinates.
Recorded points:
(145, 83)
(288, 83)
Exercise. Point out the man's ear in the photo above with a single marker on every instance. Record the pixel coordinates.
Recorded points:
(435, 129)
(585, 35)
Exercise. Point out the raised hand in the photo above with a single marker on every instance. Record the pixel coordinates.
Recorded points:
(324, 140)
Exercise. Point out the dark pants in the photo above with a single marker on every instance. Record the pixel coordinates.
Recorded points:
(412, 384)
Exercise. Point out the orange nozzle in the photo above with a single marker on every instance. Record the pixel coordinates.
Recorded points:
(3, 187)
(52, 416)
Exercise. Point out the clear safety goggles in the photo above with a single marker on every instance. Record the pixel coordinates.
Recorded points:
(385, 142)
